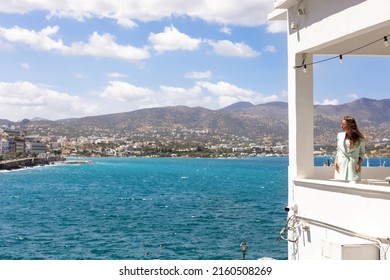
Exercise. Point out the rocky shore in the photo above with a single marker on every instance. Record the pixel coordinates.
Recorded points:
(29, 162)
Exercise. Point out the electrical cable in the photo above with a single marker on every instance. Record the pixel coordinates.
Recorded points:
(340, 56)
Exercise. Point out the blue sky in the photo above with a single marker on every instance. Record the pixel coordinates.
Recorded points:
(62, 59)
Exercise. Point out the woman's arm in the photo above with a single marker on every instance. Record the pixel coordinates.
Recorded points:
(362, 149)
(358, 166)
(336, 161)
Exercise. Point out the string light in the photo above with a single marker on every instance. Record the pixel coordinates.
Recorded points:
(340, 56)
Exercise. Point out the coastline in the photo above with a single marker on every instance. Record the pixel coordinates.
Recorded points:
(77, 162)
(16, 164)
(29, 162)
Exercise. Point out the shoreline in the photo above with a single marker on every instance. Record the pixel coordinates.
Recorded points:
(77, 162)
(16, 164)
(29, 162)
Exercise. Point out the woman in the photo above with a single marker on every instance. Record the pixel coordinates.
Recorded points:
(350, 151)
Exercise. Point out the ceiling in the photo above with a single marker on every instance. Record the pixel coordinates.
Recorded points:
(367, 42)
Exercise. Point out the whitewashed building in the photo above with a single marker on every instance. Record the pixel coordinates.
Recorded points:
(330, 219)
(5, 147)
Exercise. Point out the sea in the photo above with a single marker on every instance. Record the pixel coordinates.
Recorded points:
(145, 208)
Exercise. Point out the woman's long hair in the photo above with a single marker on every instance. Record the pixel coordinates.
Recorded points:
(353, 131)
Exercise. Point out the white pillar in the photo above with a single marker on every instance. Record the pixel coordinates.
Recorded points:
(301, 129)
(300, 117)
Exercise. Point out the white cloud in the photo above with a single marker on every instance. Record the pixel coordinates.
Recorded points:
(198, 75)
(5, 46)
(29, 100)
(270, 98)
(353, 96)
(269, 48)
(180, 96)
(127, 13)
(277, 26)
(97, 45)
(40, 40)
(172, 39)
(25, 66)
(328, 102)
(225, 94)
(228, 48)
(245, 13)
(105, 46)
(284, 94)
(79, 75)
(122, 96)
(116, 75)
(226, 30)
(125, 92)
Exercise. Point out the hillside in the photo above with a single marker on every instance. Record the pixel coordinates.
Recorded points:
(241, 120)
(373, 117)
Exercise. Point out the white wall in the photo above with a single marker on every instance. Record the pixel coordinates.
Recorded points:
(327, 172)
(355, 208)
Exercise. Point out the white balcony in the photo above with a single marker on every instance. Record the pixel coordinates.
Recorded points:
(353, 215)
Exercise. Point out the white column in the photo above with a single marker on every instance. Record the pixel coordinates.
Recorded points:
(300, 117)
(301, 129)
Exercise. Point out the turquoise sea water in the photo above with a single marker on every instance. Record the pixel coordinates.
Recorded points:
(144, 208)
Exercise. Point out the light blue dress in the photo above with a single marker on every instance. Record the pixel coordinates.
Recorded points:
(347, 159)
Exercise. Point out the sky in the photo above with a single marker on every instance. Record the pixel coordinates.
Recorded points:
(76, 58)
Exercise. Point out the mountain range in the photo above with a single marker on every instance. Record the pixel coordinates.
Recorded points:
(263, 122)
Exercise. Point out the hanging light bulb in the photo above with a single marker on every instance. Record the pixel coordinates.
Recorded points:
(341, 59)
(304, 69)
(386, 41)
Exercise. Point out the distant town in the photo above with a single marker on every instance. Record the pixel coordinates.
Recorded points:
(239, 130)
(16, 143)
